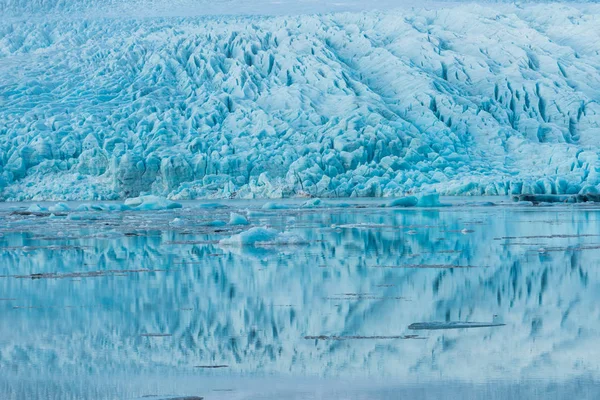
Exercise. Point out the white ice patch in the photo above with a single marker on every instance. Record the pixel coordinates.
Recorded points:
(260, 236)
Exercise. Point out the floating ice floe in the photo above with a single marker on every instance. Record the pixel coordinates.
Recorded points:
(103, 207)
(260, 236)
(275, 206)
(422, 200)
(237, 219)
(36, 208)
(148, 203)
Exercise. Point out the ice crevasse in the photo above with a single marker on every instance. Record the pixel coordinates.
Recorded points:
(461, 100)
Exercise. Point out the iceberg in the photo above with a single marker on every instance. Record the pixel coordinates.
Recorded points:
(421, 200)
(251, 237)
(408, 201)
(262, 237)
(149, 203)
(237, 219)
(59, 207)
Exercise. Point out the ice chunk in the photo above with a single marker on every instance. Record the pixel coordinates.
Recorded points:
(275, 206)
(312, 203)
(215, 223)
(146, 203)
(421, 200)
(36, 208)
(263, 237)
(251, 237)
(237, 219)
(103, 207)
(177, 222)
(59, 207)
(409, 201)
(429, 200)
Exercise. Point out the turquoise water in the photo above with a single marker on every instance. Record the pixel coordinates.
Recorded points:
(351, 301)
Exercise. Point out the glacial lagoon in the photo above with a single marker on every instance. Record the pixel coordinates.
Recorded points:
(332, 300)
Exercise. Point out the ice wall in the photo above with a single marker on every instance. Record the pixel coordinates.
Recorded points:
(463, 99)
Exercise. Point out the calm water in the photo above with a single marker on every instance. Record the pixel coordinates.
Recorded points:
(121, 305)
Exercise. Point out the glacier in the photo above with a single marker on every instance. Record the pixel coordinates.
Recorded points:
(119, 100)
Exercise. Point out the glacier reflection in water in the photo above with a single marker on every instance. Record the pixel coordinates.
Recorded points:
(125, 304)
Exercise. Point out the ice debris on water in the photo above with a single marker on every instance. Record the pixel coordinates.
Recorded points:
(553, 198)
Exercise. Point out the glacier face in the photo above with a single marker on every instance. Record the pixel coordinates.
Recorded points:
(467, 99)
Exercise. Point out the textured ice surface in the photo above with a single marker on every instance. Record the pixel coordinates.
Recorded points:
(464, 99)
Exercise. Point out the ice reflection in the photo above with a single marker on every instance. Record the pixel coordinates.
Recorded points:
(131, 293)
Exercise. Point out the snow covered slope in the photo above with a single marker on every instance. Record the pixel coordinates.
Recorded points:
(464, 99)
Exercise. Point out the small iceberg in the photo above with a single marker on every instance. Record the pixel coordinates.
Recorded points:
(275, 206)
(423, 200)
(150, 203)
(251, 237)
(409, 201)
(237, 219)
(259, 236)
(59, 207)
(36, 208)
(312, 203)
(103, 207)
(177, 222)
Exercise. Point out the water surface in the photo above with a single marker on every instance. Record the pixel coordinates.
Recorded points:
(121, 305)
